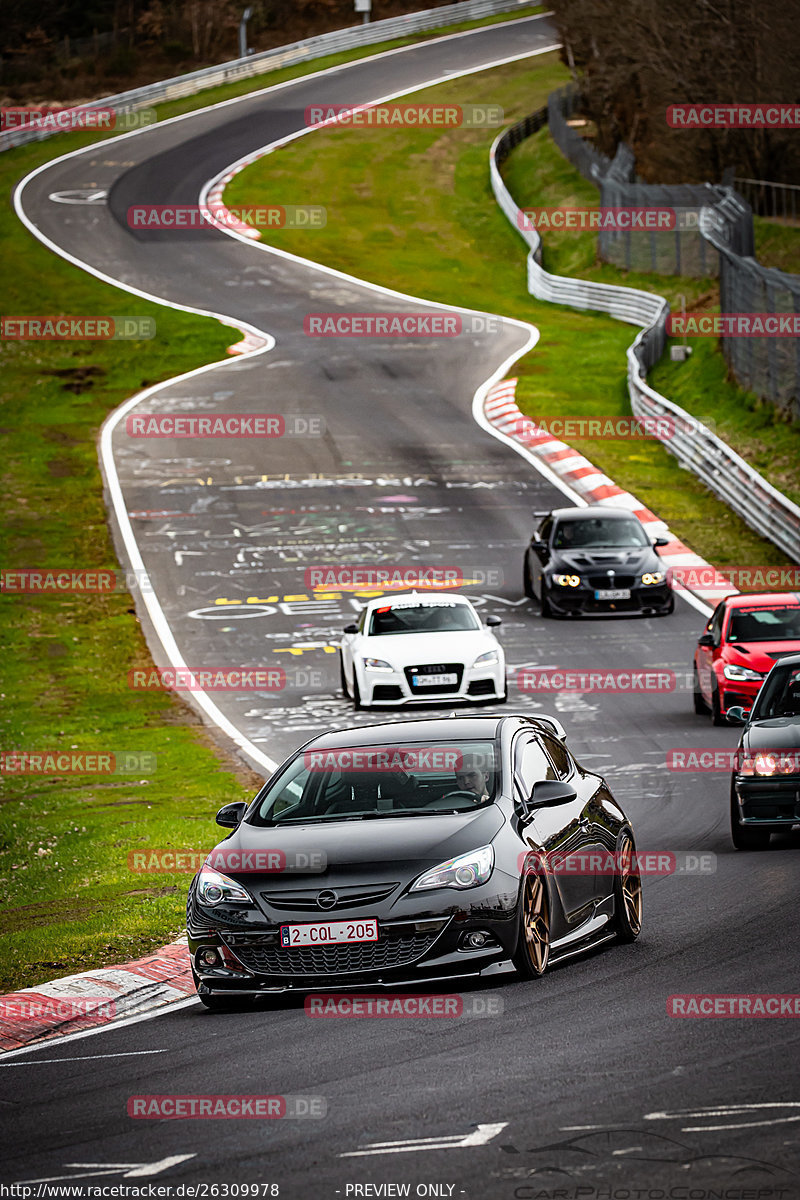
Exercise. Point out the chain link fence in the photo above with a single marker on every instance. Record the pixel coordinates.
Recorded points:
(694, 445)
(713, 237)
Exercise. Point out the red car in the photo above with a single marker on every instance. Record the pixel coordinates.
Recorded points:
(747, 633)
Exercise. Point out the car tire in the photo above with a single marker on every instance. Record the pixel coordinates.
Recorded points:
(627, 890)
(533, 944)
(343, 677)
(544, 603)
(746, 837)
(357, 702)
(700, 706)
(716, 707)
(527, 582)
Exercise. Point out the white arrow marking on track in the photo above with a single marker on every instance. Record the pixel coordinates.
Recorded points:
(451, 1141)
(128, 1170)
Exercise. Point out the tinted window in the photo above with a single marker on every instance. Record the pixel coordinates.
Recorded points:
(372, 781)
(775, 624)
(714, 626)
(559, 754)
(591, 532)
(444, 616)
(531, 765)
(780, 695)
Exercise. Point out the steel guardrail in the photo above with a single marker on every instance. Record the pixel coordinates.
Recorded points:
(281, 56)
(725, 473)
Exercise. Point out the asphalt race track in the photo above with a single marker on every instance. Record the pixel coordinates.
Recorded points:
(582, 1080)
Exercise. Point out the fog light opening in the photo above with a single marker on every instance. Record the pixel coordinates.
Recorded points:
(477, 939)
(209, 957)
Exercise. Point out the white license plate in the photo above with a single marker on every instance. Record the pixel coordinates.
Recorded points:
(613, 594)
(434, 680)
(331, 933)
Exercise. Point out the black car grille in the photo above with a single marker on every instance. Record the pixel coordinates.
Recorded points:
(347, 897)
(614, 581)
(456, 669)
(387, 691)
(351, 958)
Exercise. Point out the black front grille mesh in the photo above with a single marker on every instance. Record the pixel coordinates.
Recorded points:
(348, 959)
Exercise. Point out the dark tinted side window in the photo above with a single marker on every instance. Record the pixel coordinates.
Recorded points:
(530, 765)
(560, 756)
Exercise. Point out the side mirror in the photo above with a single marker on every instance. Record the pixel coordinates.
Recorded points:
(737, 715)
(538, 546)
(230, 816)
(351, 628)
(706, 639)
(549, 792)
(661, 541)
(493, 621)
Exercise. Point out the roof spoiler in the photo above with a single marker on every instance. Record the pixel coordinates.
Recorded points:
(553, 726)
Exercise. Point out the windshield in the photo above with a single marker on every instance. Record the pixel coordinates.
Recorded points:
(776, 624)
(440, 616)
(369, 782)
(779, 696)
(592, 532)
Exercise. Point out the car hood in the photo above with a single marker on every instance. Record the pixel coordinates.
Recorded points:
(778, 733)
(416, 649)
(406, 844)
(758, 656)
(636, 560)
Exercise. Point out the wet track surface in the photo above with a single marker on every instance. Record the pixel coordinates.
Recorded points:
(583, 1080)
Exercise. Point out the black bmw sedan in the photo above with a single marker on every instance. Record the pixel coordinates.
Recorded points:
(411, 852)
(765, 784)
(599, 559)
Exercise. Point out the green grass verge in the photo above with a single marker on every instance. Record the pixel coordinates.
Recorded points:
(64, 841)
(441, 236)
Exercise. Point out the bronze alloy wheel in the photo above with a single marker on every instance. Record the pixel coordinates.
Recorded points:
(628, 889)
(533, 948)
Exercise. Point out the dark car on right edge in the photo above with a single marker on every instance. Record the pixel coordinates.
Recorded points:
(599, 559)
(765, 784)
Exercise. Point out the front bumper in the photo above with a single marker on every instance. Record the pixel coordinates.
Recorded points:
(737, 692)
(416, 948)
(393, 688)
(768, 801)
(580, 601)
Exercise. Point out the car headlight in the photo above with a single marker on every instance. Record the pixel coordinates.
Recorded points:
(213, 888)
(567, 580)
(490, 656)
(733, 671)
(466, 871)
(377, 664)
(651, 577)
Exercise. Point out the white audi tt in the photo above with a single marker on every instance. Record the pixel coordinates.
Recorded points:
(419, 647)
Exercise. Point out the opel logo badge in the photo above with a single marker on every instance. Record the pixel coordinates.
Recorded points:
(327, 899)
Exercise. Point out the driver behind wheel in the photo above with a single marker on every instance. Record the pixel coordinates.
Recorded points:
(472, 776)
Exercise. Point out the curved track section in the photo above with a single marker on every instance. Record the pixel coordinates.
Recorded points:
(583, 1081)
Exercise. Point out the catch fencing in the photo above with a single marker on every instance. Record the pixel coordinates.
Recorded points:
(714, 237)
(696, 448)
